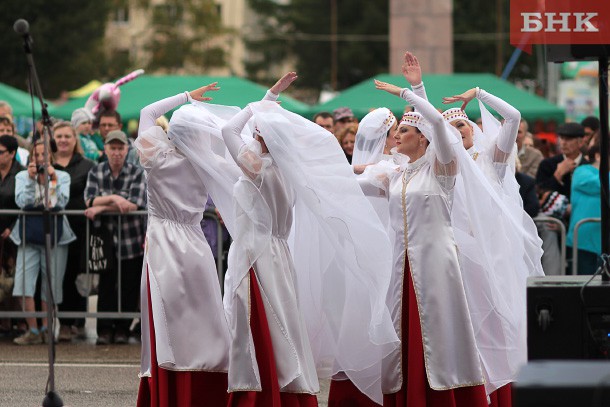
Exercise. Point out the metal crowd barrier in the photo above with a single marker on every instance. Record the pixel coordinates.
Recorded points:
(562, 231)
(211, 215)
(575, 241)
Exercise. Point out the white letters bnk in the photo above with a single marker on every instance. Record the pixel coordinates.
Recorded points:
(581, 22)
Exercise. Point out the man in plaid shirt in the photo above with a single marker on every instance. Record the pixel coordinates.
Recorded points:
(117, 186)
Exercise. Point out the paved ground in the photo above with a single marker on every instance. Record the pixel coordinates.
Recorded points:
(85, 375)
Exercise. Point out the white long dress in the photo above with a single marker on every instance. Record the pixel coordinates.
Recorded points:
(497, 241)
(190, 326)
(341, 251)
(267, 191)
(420, 198)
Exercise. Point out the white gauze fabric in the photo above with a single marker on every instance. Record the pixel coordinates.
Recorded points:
(341, 251)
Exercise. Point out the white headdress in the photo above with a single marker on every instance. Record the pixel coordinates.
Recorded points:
(371, 136)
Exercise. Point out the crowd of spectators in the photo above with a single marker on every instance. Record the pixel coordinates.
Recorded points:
(96, 171)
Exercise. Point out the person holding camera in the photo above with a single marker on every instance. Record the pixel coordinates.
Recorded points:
(30, 188)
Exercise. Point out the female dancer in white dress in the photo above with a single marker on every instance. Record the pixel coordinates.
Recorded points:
(496, 260)
(271, 363)
(509, 256)
(185, 337)
(291, 324)
(438, 363)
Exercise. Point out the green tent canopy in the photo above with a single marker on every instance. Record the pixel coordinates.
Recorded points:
(363, 97)
(20, 101)
(147, 89)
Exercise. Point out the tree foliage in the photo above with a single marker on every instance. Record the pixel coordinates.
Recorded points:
(185, 32)
(301, 29)
(67, 48)
(475, 24)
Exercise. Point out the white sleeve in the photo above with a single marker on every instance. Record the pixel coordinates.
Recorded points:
(231, 132)
(271, 96)
(508, 132)
(420, 90)
(248, 157)
(150, 113)
(375, 180)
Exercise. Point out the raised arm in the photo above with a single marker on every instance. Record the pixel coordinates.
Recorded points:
(446, 164)
(412, 73)
(231, 132)
(442, 139)
(150, 113)
(508, 132)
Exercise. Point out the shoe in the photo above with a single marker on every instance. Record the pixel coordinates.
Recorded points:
(134, 340)
(28, 338)
(78, 332)
(65, 334)
(104, 339)
(44, 335)
(120, 338)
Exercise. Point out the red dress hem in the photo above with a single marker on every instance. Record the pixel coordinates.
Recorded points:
(270, 396)
(169, 388)
(415, 390)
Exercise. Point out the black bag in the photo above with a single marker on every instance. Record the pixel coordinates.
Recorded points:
(101, 250)
(34, 226)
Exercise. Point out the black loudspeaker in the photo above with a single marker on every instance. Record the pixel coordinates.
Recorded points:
(560, 326)
(563, 384)
(576, 52)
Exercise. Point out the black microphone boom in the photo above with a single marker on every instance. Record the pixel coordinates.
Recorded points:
(22, 27)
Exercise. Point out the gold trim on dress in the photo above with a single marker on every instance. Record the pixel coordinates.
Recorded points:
(419, 307)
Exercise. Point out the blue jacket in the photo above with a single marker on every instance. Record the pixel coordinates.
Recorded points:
(25, 193)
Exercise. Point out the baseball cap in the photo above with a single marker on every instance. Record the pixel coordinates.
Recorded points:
(116, 135)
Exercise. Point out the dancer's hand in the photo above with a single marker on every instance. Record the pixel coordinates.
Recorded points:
(388, 87)
(198, 94)
(465, 97)
(359, 169)
(411, 69)
(283, 83)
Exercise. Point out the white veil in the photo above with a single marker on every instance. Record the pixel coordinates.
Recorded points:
(370, 140)
(195, 130)
(341, 251)
(497, 254)
(371, 136)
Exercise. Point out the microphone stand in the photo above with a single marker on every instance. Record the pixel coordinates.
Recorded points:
(51, 399)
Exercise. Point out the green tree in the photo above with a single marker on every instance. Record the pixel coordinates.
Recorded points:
(67, 47)
(269, 42)
(186, 32)
(476, 36)
(301, 29)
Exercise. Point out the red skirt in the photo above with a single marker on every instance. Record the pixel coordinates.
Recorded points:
(169, 388)
(343, 393)
(415, 390)
(503, 397)
(270, 396)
